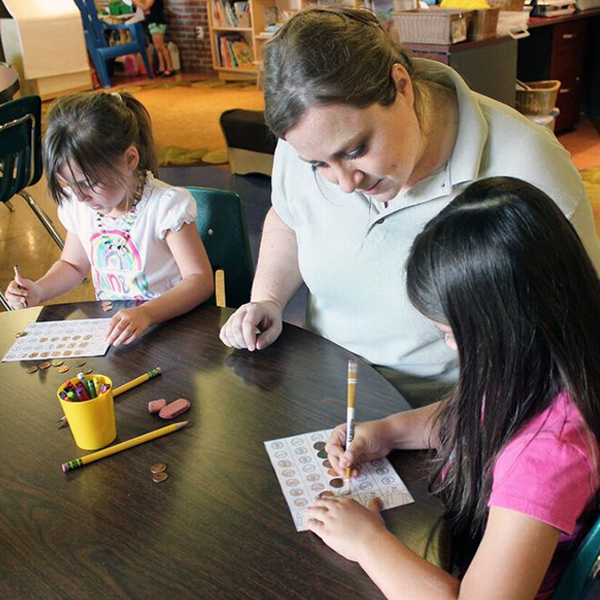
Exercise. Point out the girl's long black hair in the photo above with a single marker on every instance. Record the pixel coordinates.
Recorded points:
(507, 272)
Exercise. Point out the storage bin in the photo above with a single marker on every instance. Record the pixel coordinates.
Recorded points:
(432, 26)
(540, 99)
(483, 23)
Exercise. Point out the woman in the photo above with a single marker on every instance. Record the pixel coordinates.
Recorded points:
(372, 146)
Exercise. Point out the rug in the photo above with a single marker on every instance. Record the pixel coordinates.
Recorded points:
(185, 117)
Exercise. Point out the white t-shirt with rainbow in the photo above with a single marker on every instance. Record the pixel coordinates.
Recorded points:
(132, 262)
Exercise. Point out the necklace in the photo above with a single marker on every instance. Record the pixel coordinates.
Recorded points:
(128, 219)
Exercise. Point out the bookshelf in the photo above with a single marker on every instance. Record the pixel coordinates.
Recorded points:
(237, 33)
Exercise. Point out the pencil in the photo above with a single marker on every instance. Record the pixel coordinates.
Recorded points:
(126, 387)
(220, 299)
(136, 441)
(352, 370)
(18, 276)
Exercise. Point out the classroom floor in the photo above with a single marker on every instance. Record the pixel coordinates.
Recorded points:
(25, 242)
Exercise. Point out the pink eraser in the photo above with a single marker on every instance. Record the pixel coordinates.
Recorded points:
(176, 408)
(157, 405)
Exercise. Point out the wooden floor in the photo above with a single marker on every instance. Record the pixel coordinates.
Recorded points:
(24, 241)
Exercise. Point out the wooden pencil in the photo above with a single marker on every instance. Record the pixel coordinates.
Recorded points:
(350, 407)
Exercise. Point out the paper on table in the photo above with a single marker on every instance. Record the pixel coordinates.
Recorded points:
(303, 476)
(60, 339)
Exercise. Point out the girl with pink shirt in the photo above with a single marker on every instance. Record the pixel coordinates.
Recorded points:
(502, 273)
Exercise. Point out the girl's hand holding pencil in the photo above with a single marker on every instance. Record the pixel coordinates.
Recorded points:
(23, 293)
(372, 439)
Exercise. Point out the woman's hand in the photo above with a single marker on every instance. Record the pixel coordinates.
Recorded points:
(127, 325)
(254, 326)
(345, 525)
(373, 439)
(23, 293)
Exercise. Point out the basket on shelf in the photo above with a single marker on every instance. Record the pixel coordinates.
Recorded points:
(432, 26)
(539, 98)
(483, 23)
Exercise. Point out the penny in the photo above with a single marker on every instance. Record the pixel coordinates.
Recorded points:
(45, 365)
(158, 468)
(63, 369)
(336, 483)
(159, 477)
(31, 370)
(319, 445)
(18, 334)
(80, 363)
(57, 363)
(106, 307)
(87, 371)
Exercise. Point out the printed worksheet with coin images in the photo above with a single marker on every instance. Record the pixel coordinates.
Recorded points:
(60, 339)
(305, 473)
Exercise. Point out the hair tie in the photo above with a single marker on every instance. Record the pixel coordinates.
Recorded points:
(117, 96)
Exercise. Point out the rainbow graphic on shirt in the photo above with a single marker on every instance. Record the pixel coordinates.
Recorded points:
(117, 268)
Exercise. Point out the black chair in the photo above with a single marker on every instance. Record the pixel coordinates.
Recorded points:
(21, 159)
(221, 222)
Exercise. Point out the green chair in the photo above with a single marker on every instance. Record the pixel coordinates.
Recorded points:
(221, 222)
(581, 568)
(21, 158)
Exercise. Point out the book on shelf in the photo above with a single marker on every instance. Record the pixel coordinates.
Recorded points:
(234, 51)
(228, 14)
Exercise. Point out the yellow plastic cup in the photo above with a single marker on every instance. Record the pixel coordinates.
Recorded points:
(92, 422)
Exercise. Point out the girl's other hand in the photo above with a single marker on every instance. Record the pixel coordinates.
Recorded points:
(127, 325)
(345, 525)
(249, 320)
(372, 440)
(23, 293)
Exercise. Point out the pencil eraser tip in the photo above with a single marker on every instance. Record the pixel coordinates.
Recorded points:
(65, 467)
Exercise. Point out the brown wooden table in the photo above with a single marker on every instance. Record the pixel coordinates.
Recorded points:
(219, 527)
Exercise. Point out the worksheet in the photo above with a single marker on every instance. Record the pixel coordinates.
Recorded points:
(60, 339)
(305, 473)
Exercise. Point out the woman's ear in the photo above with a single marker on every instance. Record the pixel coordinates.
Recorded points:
(403, 82)
(132, 158)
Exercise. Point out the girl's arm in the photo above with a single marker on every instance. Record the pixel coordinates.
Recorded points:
(64, 275)
(510, 564)
(276, 281)
(196, 286)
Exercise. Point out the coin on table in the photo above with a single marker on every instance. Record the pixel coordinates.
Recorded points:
(45, 365)
(19, 334)
(80, 363)
(107, 306)
(63, 369)
(57, 363)
(87, 371)
(158, 468)
(31, 370)
(159, 477)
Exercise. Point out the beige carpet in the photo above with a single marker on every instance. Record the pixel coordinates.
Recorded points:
(591, 181)
(185, 117)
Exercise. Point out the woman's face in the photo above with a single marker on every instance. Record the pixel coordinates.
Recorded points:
(373, 150)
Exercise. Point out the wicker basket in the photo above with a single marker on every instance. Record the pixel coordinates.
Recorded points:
(507, 4)
(540, 99)
(432, 26)
(483, 23)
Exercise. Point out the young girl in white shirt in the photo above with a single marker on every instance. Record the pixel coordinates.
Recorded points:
(136, 233)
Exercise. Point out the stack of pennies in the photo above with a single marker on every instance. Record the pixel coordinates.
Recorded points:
(159, 472)
(107, 306)
(31, 370)
(45, 365)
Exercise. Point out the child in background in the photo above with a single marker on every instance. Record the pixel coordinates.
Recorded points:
(157, 26)
(502, 273)
(136, 232)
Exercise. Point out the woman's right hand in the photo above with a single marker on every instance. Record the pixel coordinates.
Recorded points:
(23, 293)
(372, 439)
(254, 326)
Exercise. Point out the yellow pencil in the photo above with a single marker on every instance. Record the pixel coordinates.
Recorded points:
(18, 276)
(220, 299)
(352, 371)
(146, 437)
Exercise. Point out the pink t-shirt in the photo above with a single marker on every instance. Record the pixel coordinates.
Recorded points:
(549, 471)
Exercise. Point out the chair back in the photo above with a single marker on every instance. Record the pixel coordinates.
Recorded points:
(577, 573)
(94, 32)
(221, 222)
(20, 145)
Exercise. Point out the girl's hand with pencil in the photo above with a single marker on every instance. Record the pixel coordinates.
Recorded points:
(373, 439)
(345, 525)
(23, 293)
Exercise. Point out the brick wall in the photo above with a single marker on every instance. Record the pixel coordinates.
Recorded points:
(183, 16)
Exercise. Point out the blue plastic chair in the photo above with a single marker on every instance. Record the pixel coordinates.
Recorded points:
(221, 222)
(97, 44)
(580, 569)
